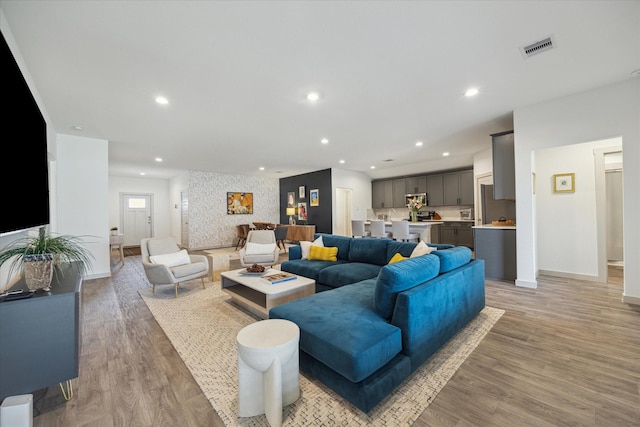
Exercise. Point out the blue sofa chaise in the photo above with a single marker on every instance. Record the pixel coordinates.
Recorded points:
(372, 323)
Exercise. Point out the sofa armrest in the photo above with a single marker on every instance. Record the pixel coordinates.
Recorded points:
(158, 274)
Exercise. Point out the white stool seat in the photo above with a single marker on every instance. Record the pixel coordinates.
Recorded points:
(268, 368)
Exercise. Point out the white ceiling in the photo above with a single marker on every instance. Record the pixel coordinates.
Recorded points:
(236, 74)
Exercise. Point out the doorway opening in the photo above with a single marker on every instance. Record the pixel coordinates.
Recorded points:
(342, 221)
(136, 217)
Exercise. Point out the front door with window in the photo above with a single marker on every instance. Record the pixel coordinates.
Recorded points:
(136, 217)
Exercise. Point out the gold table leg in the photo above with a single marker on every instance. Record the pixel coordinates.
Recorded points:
(68, 393)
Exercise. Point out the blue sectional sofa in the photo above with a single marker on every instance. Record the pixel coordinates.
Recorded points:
(372, 324)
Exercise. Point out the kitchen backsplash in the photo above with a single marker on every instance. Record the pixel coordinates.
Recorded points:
(445, 212)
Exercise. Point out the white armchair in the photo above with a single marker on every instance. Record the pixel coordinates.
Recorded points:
(261, 249)
(165, 264)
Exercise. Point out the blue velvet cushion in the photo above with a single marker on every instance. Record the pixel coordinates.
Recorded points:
(340, 329)
(344, 274)
(370, 251)
(295, 252)
(402, 248)
(306, 268)
(341, 242)
(400, 276)
(450, 259)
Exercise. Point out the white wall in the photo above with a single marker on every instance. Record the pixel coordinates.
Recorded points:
(567, 222)
(159, 188)
(177, 185)
(598, 114)
(82, 203)
(483, 162)
(360, 183)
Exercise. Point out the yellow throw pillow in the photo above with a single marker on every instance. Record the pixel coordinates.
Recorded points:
(320, 253)
(397, 257)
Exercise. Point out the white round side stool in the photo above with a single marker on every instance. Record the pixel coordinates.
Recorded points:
(268, 368)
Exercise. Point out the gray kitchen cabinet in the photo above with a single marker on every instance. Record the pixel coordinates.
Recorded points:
(457, 233)
(435, 190)
(458, 188)
(382, 194)
(399, 192)
(415, 184)
(497, 247)
(504, 170)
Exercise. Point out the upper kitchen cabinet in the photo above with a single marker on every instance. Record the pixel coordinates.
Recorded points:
(504, 171)
(458, 188)
(435, 190)
(382, 194)
(399, 193)
(415, 184)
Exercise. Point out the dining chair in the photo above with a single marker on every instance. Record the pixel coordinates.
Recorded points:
(281, 235)
(400, 231)
(376, 227)
(242, 230)
(357, 228)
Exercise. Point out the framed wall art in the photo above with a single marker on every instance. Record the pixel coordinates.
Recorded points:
(564, 183)
(301, 191)
(302, 211)
(239, 203)
(314, 196)
(291, 199)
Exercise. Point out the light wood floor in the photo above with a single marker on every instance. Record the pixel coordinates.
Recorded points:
(566, 353)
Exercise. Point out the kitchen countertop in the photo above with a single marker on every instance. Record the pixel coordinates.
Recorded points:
(496, 227)
(412, 224)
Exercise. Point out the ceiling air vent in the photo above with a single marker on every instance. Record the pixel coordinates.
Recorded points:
(538, 47)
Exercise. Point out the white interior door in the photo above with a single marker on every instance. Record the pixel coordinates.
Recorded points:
(343, 212)
(184, 219)
(136, 217)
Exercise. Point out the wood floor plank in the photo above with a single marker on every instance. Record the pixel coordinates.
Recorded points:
(566, 353)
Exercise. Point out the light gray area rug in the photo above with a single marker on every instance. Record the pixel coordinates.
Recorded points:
(202, 325)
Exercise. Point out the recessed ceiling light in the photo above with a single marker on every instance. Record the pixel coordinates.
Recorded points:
(324, 140)
(419, 144)
(162, 100)
(261, 168)
(341, 161)
(143, 173)
(471, 92)
(635, 73)
(76, 127)
(445, 154)
(313, 96)
(158, 159)
(372, 167)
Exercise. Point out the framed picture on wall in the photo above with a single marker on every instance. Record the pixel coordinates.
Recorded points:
(301, 191)
(314, 197)
(302, 211)
(564, 183)
(239, 203)
(291, 199)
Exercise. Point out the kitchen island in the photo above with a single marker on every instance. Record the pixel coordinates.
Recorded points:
(496, 245)
(423, 228)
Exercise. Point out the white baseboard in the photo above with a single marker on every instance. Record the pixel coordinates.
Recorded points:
(574, 276)
(526, 284)
(630, 300)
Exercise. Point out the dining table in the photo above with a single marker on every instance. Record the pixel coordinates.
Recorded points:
(259, 225)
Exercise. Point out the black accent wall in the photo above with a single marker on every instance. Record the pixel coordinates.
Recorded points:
(321, 215)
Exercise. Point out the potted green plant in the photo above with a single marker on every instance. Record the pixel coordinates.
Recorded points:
(37, 256)
(114, 231)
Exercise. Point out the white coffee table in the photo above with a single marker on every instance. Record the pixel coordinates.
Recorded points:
(258, 296)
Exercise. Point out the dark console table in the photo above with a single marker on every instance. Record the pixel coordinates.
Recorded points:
(40, 336)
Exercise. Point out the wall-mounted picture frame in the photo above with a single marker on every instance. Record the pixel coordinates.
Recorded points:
(291, 199)
(239, 203)
(564, 183)
(301, 191)
(302, 211)
(314, 197)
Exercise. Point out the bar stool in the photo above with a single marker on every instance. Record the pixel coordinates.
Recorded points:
(357, 229)
(400, 230)
(376, 227)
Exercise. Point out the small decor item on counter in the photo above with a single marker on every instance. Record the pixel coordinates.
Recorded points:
(503, 222)
(38, 271)
(436, 215)
(415, 205)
